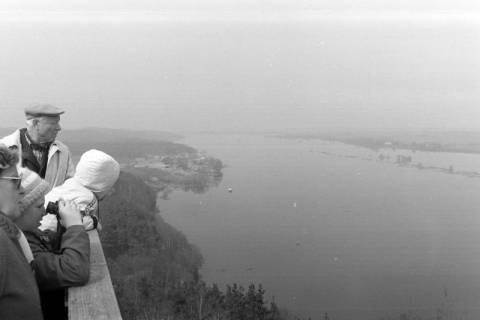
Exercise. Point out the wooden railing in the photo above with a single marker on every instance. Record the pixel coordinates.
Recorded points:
(96, 300)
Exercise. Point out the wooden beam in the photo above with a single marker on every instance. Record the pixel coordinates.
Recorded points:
(96, 300)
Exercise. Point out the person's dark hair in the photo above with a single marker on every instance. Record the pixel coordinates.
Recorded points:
(8, 158)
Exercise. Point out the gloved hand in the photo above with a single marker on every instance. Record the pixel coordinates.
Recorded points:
(69, 213)
(90, 222)
(48, 222)
(87, 223)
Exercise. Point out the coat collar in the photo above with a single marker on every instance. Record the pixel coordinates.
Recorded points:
(14, 140)
(54, 147)
(9, 227)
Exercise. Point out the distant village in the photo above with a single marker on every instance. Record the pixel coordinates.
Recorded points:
(189, 171)
(183, 163)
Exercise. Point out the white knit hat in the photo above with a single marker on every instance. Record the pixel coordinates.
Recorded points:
(33, 186)
(97, 171)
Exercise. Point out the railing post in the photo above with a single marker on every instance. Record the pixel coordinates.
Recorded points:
(96, 300)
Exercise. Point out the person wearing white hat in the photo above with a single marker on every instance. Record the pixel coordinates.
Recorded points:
(38, 148)
(95, 175)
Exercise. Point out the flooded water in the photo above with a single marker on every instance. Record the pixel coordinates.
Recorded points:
(329, 228)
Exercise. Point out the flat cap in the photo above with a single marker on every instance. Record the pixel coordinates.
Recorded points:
(38, 110)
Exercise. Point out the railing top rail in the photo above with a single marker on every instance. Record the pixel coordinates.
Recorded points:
(96, 300)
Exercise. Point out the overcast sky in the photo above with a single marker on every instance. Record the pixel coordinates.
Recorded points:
(244, 65)
(241, 5)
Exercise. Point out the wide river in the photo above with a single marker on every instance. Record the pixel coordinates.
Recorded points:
(328, 228)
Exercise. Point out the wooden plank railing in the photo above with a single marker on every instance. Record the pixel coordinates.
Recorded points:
(96, 300)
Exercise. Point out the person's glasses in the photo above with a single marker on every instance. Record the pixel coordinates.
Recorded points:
(16, 180)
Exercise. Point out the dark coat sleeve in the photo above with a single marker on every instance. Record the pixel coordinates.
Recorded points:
(3, 257)
(68, 267)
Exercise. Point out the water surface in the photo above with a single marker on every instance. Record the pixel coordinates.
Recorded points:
(326, 227)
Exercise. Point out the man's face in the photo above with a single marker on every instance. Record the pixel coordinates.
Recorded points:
(10, 192)
(47, 128)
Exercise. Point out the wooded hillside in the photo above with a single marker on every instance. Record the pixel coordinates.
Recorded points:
(155, 270)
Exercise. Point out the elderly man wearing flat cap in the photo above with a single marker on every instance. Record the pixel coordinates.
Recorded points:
(38, 148)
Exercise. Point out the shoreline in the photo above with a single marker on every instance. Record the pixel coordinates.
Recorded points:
(384, 142)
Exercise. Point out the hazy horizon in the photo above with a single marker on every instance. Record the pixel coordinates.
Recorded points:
(244, 66)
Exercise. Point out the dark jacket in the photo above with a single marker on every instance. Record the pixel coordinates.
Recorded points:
(59, 262)
(19, 297)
